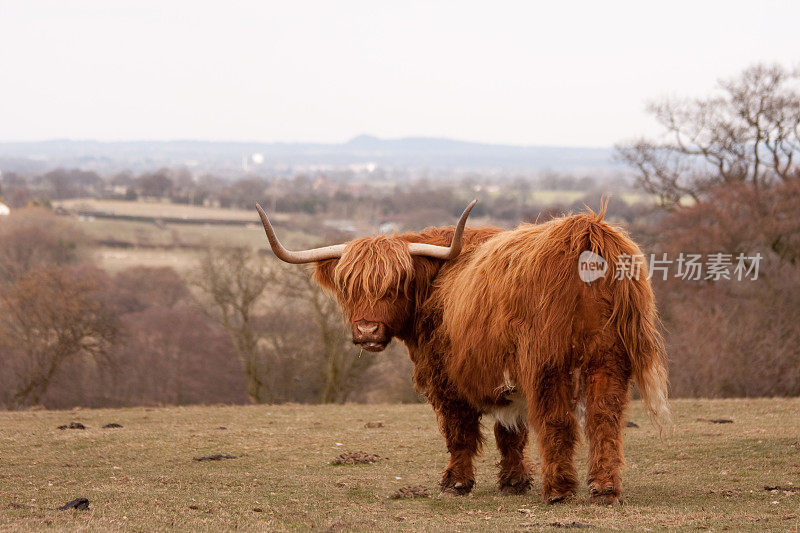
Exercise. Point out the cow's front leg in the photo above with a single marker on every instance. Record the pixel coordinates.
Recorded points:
(515, 472)
(460, 425)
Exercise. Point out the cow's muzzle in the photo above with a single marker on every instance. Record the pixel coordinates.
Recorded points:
(371, 336)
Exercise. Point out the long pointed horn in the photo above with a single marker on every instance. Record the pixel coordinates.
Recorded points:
(304, 256)
(445, 252)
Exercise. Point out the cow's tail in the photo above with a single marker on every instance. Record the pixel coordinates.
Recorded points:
(633, 312)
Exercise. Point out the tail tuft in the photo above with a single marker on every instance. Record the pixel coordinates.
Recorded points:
(633, 315)
(636, 320)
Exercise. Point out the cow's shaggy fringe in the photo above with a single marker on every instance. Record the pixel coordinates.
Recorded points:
(384, 266)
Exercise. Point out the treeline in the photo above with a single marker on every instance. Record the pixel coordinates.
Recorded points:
(504, 198)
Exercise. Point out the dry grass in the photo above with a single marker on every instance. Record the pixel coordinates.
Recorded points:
(148, 234)
(115, 259)
(143, 476)
(178, 246)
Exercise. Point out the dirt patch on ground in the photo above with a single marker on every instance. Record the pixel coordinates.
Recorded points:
(788, 488)
(560, 525)
(410, 492)
(112, 425)
(81, 504)
(72, 425)
(377, 424)
(352, 458)
(215, 457)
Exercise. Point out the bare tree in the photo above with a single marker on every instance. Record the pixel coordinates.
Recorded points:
(171, 355)
(233, 281)
(49, 316)
(342, 364)
(747, 132)
(288, 334)
(139, 287)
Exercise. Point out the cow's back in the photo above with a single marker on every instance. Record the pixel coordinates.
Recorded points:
(518, 291)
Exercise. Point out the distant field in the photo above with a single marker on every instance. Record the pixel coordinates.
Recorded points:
(548, 197)
(148, 234)
(178, 245)
(115, 259)
(142, 476)
(182, 246)
(173, 244)
(159, 209)
(556, 197)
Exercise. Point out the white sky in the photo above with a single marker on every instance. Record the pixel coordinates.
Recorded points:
(556, 73)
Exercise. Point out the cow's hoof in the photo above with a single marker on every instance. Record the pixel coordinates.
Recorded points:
(459, 488)
(514, 485)
(607, 495)
(559, 497)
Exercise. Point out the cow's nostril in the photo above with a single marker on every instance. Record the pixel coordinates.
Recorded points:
(372, 328)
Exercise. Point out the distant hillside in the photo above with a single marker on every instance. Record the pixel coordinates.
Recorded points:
(231, 157)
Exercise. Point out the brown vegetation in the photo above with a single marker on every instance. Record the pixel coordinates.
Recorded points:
(70, 334)
(50, 316)
(730, 337)
(288, 336)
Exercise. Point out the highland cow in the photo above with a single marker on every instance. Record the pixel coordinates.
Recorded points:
(499, 322)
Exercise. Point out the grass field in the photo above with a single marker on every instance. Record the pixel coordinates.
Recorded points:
(143, 477)
(157, 247)
(174, 244)
(115, 259)
(148, 234)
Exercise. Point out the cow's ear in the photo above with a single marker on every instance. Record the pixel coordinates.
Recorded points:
(425, 269)
(323, 273)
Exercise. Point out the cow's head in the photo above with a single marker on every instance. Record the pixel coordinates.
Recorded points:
(376, 280)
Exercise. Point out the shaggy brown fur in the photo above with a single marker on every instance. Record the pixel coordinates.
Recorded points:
(509, 328)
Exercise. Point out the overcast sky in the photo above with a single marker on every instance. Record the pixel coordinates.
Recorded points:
(560, 73)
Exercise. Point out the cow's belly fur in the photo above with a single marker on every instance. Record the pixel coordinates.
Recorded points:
(512, 415)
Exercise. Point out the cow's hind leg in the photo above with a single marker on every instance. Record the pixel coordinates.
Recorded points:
(460, 425)
(607, 377)
(550, 414)
(515, 472)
